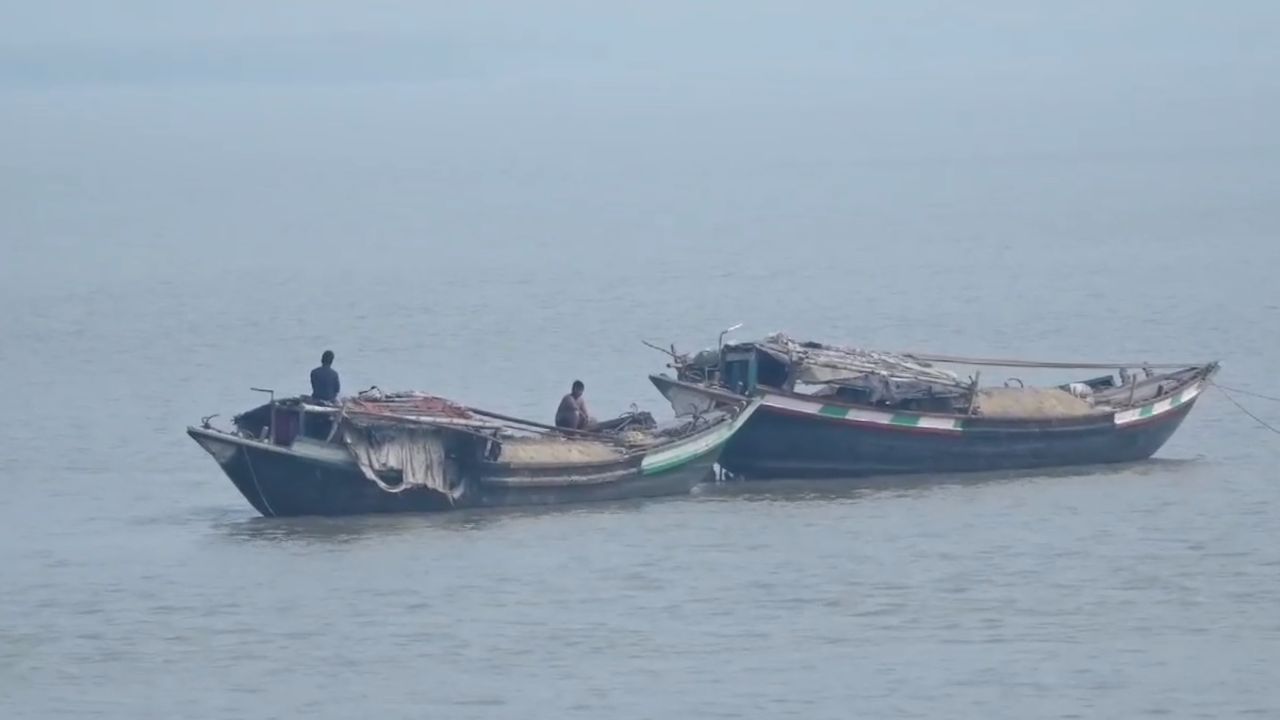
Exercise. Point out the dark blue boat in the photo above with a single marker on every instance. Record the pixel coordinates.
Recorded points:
(828, 411)
(416, 453)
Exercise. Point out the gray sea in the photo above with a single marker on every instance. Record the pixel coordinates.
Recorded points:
(179, 223)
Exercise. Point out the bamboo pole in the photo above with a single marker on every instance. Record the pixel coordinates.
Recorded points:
(530, 423)
(997, 362)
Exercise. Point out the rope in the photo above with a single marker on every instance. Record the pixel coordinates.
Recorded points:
(999, 362)
(1244, 410)
(1238, 391)
(260, 493)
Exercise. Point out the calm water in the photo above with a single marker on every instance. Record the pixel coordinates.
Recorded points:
(164, 250)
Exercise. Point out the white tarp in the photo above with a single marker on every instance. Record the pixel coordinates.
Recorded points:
(416, 453)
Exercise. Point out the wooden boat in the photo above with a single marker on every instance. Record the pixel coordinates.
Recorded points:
(829, 411)
(410, 452)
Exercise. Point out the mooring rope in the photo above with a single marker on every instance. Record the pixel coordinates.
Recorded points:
(249, 461)
(1245, 410)
(1238, 391)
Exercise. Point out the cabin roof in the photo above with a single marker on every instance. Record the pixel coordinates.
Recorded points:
(818, 363)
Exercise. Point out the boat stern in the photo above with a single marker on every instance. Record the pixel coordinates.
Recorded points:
(688, 399)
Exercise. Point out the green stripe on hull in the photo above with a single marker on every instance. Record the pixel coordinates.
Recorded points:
(834, 411)
(680, 461)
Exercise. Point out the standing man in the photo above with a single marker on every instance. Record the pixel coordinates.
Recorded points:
(324, 379)
(572, 413)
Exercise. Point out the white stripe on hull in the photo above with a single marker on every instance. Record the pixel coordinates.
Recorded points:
(865, 415)
(1158, 408)
(956, 424)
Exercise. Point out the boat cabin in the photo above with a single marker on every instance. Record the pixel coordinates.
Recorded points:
(283, 421)
(746, 368)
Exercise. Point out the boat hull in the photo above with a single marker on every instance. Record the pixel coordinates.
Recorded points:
(778, 445)
(323, 479)
(631, 484)
(792, 438)
(278, 482)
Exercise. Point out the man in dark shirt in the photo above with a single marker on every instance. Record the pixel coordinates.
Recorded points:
(572, 413)
(324, 379)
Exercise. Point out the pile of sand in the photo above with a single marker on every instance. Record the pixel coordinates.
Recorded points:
(552, 450)
(1031, 403)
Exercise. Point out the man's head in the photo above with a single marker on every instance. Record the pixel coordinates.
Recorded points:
(327, 358)
(578, 387)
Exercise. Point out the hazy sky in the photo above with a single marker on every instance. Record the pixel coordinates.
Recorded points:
(477, 111)
(325, 41)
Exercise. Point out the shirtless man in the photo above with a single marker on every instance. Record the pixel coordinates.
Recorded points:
(572, 413)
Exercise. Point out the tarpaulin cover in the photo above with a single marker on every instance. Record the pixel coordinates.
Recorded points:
(819, 364)
(417, 453)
